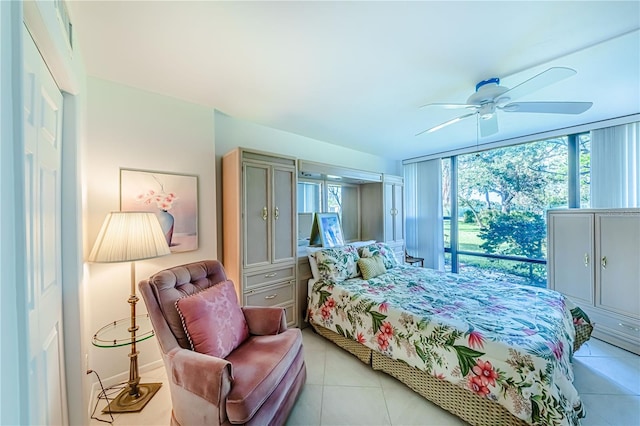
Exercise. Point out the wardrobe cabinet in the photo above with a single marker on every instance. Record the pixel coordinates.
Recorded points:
(259, 228)
(382, 216)
(594, 259)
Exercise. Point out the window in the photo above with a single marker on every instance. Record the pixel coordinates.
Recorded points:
(495, 203)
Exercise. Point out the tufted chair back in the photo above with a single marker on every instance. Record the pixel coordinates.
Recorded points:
(172, 284)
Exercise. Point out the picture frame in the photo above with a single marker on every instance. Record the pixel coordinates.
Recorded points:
(172, 197)
(329, 229)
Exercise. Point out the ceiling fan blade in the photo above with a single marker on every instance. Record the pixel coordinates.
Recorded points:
(489, 126)
(537, 82)
(548, 107)
(446, 123)
(450, 106)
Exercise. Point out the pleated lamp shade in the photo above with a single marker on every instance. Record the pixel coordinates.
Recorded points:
(129, 236)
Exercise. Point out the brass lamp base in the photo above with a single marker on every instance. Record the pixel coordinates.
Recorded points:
(125, 403)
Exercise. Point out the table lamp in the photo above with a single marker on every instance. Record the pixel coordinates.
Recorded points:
(127, 237)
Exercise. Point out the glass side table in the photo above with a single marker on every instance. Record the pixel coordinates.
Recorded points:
(118, 333)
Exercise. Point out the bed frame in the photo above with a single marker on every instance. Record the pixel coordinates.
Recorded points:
(458, 401)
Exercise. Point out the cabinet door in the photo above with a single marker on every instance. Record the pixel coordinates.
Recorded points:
(256, 180)
(618, 268)
(398, 216)
(284, 215)
(389, 222)
(571, 256)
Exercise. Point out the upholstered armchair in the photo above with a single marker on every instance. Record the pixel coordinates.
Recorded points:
(225, 364)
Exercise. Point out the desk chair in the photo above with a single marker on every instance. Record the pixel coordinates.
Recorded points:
(413, 260)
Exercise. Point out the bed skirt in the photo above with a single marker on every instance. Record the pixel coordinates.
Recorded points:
(458, 401)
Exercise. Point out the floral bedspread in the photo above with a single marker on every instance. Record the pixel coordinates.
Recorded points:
(509, 343)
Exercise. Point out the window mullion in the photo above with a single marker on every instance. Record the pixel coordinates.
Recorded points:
(573, 171)
(454, 214)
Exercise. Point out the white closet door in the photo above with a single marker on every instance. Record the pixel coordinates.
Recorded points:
(618, 267)
(283, 215)
(388, 213)
(43, 130)
(571, 256)
(398, 213)
(257, 215)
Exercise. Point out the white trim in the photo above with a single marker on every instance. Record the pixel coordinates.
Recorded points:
(529, 138)
(14, 397)
(72, 271)
(386, 178)
(43, 23)
(313, 170)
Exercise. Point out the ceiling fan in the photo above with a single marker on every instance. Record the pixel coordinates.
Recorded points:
(490, 97)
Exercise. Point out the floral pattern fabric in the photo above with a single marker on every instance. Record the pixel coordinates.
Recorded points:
(380, 249)
(337, 263)
(509, 343)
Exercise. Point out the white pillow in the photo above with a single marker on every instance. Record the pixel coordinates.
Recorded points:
(312, 261)
(358, 244)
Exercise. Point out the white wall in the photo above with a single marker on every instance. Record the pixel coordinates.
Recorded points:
(131, 128)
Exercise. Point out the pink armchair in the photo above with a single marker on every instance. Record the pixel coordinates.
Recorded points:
(257, 382)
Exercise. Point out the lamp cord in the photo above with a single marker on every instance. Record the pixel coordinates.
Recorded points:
(102, 394)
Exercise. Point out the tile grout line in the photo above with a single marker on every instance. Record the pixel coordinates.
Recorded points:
(386, 404)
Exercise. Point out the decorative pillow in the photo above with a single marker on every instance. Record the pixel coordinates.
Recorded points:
(381, 249)
(337, 263)
(358, 244)
(371, 267)
(213, 320)
(312, 261)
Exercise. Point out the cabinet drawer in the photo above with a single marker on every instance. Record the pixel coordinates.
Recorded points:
(619, 326)
(262, 278)
(270, 296)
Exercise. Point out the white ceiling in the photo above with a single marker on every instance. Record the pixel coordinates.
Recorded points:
(355, 73)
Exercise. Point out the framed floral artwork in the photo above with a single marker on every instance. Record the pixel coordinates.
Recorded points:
(172, 197)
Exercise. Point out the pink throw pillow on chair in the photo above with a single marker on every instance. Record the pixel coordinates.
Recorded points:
(213, 320)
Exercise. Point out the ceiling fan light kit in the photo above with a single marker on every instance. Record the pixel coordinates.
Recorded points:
(490, 97)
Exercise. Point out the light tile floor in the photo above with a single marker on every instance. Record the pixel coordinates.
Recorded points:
(341, 390)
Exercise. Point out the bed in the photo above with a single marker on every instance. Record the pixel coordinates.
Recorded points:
(488, 352)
